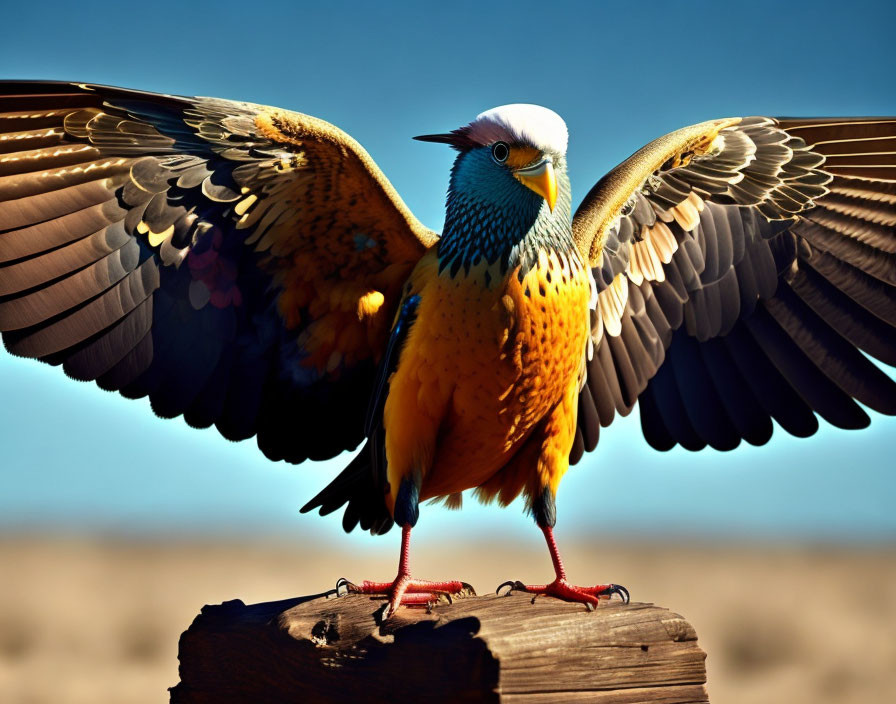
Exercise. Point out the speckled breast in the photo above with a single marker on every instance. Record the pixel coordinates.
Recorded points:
(523, 346)
(547, 335)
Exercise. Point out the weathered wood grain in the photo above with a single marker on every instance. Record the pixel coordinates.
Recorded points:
(478, 649)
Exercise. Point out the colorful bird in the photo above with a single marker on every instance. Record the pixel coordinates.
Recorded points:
(252, 268)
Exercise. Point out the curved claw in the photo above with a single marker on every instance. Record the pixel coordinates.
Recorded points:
(383, 613)
(349, 587)
(514, 585)
(617, 589)
(439, 595)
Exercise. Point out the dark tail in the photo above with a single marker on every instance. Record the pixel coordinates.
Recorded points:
(363, 484)
(358, 486)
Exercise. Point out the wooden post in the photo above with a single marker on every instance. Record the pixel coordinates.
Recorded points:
(478, 649)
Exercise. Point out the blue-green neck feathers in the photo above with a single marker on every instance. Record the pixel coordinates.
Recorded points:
(492, 217)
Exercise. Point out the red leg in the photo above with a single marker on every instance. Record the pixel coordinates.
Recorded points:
(562, 589)
(406, 590)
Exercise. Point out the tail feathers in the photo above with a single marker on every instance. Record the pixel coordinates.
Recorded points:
(358, 487)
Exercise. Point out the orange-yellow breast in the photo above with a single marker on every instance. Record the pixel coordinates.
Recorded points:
(481, 368)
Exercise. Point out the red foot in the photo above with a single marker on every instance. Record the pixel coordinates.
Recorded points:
(560, 588)
(407, 591)
(404, 590)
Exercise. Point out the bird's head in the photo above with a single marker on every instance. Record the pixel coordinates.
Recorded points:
(509, 153)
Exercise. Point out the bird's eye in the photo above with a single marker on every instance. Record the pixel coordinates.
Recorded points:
(500, 152)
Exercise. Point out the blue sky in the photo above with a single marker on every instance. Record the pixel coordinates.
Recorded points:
(77, 458)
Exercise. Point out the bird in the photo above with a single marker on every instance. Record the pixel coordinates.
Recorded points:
(252, 268)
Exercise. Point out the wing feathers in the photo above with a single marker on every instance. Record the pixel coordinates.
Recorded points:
(131, 366)
(45, 206)
(700, 400)
(853, 322)
(591, 422)
(669, 404)
(43, 182)
(202, 252)
(817, 132)
(749, 419)
(772, 390)
(34, 271)
(838, 360)
(866, 258)
(92, 317)
(98, 357)
(872, 294)
(864, 148)
(602, 393)
(653, 426)
(26, 140)
(33, 308)
(783, 270)
(822, 395)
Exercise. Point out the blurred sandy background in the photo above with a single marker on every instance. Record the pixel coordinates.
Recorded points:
(94, 620)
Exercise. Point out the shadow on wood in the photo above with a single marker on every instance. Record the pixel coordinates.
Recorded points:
(478, 649)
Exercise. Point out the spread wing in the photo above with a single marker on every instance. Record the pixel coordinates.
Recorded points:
(743, 266)
(238, 264)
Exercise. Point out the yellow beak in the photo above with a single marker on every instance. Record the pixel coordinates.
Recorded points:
(540, 178)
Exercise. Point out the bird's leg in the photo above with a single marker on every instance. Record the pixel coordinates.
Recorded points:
(560, 587)
(406, 590)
